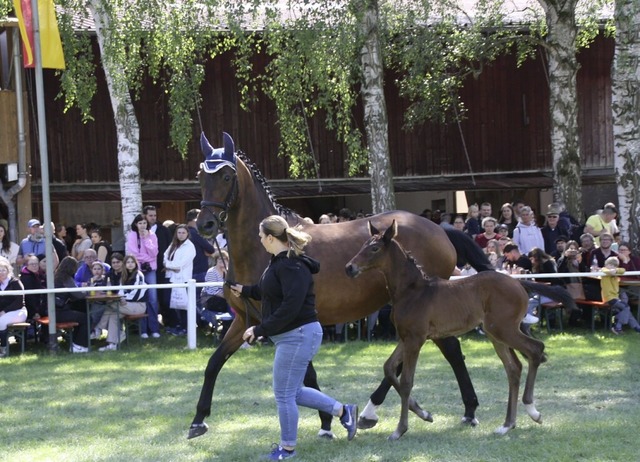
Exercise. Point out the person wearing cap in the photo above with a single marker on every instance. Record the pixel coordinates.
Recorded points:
(34, 243)
(552, 229)
(603, 221)
(561, 245)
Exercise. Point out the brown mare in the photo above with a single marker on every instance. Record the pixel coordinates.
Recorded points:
(431, 308)
(236, 198)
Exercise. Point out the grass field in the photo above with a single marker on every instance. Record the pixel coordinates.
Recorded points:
(136, 404)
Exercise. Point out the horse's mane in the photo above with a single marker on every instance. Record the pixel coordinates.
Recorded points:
(261, 181)
(412, 260)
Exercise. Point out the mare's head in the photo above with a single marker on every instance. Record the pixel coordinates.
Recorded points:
(218, 184)
(371, 254)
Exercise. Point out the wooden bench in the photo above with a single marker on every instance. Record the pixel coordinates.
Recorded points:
(600, 307)
(128, 320)
(19, 331)
(555, 308)
(64, 328)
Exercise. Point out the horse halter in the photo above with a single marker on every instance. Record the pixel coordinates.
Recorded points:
(222, 215)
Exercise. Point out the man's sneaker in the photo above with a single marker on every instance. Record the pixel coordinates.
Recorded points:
(155, 335)
(616, 331)
(79, 349)
(109, 347)
(144, 336)
(530, 319)
(348, 420)
(280, 453)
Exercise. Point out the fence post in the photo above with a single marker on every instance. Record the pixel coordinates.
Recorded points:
(191, 314)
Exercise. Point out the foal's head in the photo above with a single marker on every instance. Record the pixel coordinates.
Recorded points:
(372, 253)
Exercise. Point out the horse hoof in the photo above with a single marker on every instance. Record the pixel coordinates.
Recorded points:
(470, 421)
(364, 423)
(197, 430)
(502, 430)
(395, 436)
(326, 434)
(533, 413)
(426, 416)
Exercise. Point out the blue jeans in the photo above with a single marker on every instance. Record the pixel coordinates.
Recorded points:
(150, 324)
(294, 350)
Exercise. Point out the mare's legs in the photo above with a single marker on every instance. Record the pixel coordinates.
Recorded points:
(311, 380)
(229, 345)
(450, 348)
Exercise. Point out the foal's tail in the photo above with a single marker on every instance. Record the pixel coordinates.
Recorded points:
(554, 292)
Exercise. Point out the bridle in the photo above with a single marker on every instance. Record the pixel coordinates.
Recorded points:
(222, 215)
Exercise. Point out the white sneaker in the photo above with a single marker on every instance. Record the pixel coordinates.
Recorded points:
(530, 319)
(79, 349)
(109, 347)
(155, 335)
(144, 336)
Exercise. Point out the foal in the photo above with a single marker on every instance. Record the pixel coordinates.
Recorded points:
(431, 308)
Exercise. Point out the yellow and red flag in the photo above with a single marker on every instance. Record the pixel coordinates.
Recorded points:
(50, 43)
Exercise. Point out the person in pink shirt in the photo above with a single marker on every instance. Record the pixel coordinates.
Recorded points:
(143, 244)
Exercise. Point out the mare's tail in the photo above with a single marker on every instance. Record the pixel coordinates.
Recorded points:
(554, 292)
(468, 251)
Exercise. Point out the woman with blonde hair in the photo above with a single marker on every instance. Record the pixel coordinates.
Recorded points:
(12, 308)
(290, 320)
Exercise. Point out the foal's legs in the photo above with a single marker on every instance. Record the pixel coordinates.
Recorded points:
(513, 368)
(450, 348)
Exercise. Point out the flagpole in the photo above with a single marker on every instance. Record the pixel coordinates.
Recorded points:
(44, 174)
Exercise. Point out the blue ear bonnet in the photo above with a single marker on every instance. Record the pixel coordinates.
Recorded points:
(215, 159)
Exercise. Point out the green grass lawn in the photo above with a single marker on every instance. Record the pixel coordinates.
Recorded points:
(137, 404)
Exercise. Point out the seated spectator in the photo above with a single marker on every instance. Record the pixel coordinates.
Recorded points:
(570, 260)
(628, 261)
(489, 226)
(493, 253)
(508, 218)
(345, 215)
(212, 299)
(560, 246)
(12, 309)
(527, 235)
(101, 247)
(84, 274)
(618, 302)
(132, 302)
(587, 246)
(552, 229)
(82, 242)
(70, 306)
(324, 219)
(33, 278)
(8, 249)
(514, 261)
(98, 276)
(472, 223)
(117, 264)
(600, 255)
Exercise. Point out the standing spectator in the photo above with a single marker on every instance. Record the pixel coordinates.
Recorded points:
(33, 243)
(143, 244)
(9, 249)
(552, 229)
(203, 250)
(12, 307)
(517, 205)
(164, 235)
(489, 226)
(344, 215)
(324, 219)
(527, 235)
(458, 222)
(178, 261)
(102, 247)
(602, 222)
(472, 224)
(508, 218)
(62, 235)
(59, 246)
(485, 210)
(82, 243)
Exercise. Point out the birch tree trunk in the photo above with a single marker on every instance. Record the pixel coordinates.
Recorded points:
(563, 103)
(127, 129)
(626, 117)
(375, 111)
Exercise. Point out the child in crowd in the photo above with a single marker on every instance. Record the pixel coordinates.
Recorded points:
(472, 224)
(618, 302)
